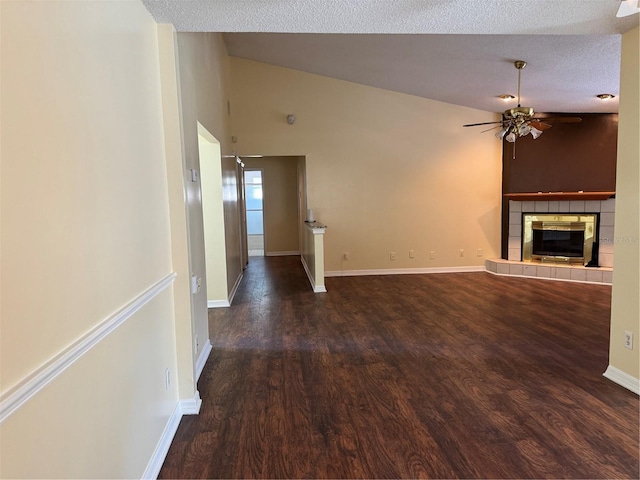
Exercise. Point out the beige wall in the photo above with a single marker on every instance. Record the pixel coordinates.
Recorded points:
(385, 171)
(625, 310)
(85, 230)
(213, 216)
(172, 122)
(203, 72)
(280, 179)
(204, 78)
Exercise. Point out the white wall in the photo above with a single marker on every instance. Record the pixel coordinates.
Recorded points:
(385, 171)
(625, 309)
(85, 232)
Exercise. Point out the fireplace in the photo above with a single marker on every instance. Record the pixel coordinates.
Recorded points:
(567, 238)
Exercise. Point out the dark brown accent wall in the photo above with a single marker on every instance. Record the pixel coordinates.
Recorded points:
(566, 158)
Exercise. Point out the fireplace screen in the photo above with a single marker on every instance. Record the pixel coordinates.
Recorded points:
(559, 238)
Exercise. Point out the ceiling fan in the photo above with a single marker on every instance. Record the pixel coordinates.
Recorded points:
(628, 7)
(520, 121)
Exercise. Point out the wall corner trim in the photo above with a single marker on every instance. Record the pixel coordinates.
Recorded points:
(316, 289)
(183, 407)
(623, 379)
(17, 396)
(226, 303)
(202, 358)
(191, 406)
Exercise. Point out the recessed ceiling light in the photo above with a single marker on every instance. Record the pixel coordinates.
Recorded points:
(605, 96)
(506, 97)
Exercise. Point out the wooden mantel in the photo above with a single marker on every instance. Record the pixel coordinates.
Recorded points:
(524, 197)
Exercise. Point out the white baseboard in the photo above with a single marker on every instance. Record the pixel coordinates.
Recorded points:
(226, 303)
(623, 379)
(183, 407)
(202, 358)
(162, 448)
(218, 303)
(191, 406)
(403, 271)
(280, 254)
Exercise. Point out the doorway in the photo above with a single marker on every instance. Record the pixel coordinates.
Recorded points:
(254, 201)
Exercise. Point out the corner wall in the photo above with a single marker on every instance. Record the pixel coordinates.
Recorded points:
(624, 364)
(386, 172)
(87, 311)
(203, 78)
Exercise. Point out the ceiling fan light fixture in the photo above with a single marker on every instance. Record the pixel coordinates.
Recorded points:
(535, 133)
(524, 130)
(511, 137)
(500, 135)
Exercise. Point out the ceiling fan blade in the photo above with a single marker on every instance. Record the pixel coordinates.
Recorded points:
(484, 123)
(540, 125)
(568, 119)
(628, 7)
(557, 119)
(492, 128)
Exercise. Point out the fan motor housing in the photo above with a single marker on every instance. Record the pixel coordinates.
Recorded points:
(519, 112)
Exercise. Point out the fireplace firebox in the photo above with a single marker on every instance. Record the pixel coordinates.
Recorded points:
(568, 238)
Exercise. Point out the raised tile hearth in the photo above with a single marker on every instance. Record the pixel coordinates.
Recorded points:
(514, 266)
(567, 273)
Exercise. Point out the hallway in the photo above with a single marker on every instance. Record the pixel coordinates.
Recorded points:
(442, 376)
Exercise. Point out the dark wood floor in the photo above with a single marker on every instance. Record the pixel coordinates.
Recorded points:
(464, 375)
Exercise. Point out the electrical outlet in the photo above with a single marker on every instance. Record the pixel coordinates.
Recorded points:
(480, 252)
(462, 252)
(432, 255)
(412, 253)
(392, 256)
(628, 340)
(167, 379)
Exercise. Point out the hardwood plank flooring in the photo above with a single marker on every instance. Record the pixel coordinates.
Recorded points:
(464, 375)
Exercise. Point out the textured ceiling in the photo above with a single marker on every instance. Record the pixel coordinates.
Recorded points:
(572, 46)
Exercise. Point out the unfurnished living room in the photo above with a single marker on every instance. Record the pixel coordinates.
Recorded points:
(446, 195)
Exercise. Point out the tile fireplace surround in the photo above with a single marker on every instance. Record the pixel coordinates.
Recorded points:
(514, 266)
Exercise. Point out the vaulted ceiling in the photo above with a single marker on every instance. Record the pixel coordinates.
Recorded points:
(455, 51)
